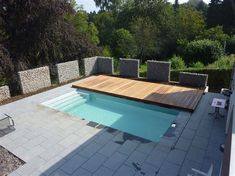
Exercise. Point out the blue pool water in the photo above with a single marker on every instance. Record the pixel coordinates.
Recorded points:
(136, 118)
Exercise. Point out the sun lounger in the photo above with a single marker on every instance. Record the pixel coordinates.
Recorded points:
(197, 172)
(6, 122)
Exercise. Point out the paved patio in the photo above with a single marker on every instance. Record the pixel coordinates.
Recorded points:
(53, 143)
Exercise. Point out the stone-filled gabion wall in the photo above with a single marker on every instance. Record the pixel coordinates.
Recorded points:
(34, 79)
(94, 65)
(158, 71)
(67, 71)
(4, 93)
(129, 68)
(90, 65)
(105, 65)
(193, 79)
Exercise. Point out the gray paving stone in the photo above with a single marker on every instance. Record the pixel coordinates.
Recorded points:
(32, 166)
(156, 158)
(200, 142)
(70, 151)
(103, 171)
(34, 142)
(69, 140)
(17, 143)
(53, 140)
(128, 147)
(94, 162)
(51, 165)
(75, 162)
(167, 142)
(115, 161)
(195, 154)
(14, 174)
(136, 158)
(183, 144)
(203, 132)
(89, 150)
(168, 169)
(207, 164)
(37, 173)
(19, 151)
(59, 173)
(146, 147)
(4, 141)
(163, 148)
(33, 152)
(81, 172)
(84, 130)
(193, 124)
(104, 138)
(187, 166)
(109, 148)
(51, 152)
(214, 152)
(44, 128)
(188, 133)
(125, 170)
(147, 170)
(176, 156)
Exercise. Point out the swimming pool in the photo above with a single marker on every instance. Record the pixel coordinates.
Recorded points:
(136, 118)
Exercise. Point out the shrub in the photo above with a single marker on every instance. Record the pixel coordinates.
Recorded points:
(197, 65)
(177, 62)
(107, 52)
(143, 70)
(230, 46)
(205, 51)
(225, 62)
(2, 82)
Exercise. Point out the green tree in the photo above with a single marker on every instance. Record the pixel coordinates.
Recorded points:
(38, 34)
(214, 13)
(93, 33)
(105, 23)
(214, 33)
(228, 16)
(81, 23)
(189, 23)
(123, 43)
(108, 5)
(144, 31)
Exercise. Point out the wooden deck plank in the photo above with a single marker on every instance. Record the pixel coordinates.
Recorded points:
(162, 94)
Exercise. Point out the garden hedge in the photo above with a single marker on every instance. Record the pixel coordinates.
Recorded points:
(217, 78)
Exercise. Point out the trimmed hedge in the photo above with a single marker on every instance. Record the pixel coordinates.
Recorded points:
(217, 78)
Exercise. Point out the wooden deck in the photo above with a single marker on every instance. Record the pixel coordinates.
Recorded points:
(155, 93)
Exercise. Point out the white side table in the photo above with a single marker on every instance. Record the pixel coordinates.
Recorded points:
(217, 104)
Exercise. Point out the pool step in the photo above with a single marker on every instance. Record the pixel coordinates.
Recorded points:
(62, 97)
(69, 107)
(66, 101)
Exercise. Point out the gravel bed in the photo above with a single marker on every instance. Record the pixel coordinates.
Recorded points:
(8, 162)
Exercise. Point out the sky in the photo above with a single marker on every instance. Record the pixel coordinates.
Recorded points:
(89, 5)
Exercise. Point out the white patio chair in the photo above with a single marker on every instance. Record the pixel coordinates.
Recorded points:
(198, 172)
(6, 122)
